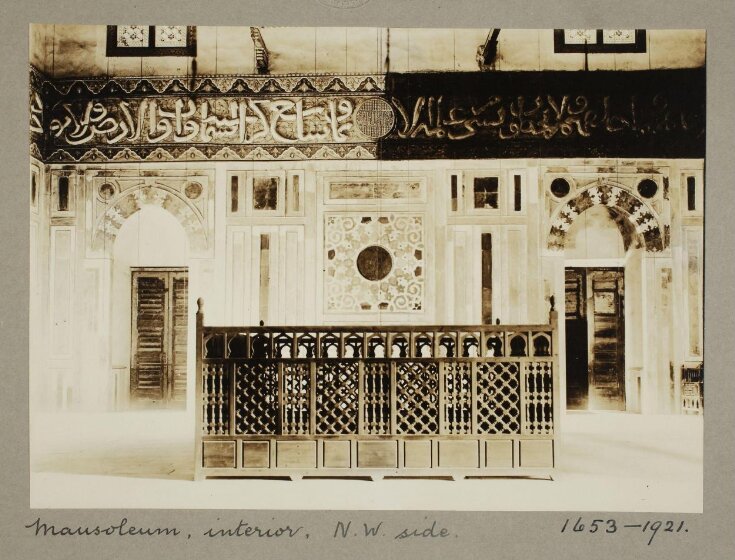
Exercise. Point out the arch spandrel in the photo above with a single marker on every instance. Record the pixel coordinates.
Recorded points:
(644, 220)
(109, 224)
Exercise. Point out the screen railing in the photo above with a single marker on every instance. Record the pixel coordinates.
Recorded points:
(452, 400)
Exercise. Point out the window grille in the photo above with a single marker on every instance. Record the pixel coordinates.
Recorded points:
(151, 40)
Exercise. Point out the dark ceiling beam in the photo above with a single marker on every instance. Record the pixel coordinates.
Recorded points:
(487, 52)
(261, 51)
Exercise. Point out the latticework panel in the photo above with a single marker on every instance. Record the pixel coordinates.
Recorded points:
(417, 385)
(215, 397)
(336, 398)
(457, 396)
(538, 400)
(498, 399)
(376, 398)
(296, 398)
(256, 398)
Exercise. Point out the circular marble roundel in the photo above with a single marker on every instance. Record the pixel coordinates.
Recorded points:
(374, 118)
(374, 263)
(560, 187)
(107, 191)
(647, 188)
(193, 190)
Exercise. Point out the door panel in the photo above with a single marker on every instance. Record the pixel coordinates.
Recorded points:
(576, 339)
(159, 336)
(179, 333)
(595, 338)
(606, 360)
(148, 338)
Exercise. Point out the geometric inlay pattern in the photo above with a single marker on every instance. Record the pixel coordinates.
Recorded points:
(580, 36)
(336, 397)
(618, 36)
(256, 396)
(537, 401)
(109, 224)
(132, 35)
(170, 36)
(457, 397)
(232, 152)
(498, 399)
(641, 216)
(216, 83)
(401, 288)
(374, 117)
(417, 397)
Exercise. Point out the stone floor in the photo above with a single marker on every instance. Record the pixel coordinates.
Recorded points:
(606, 462)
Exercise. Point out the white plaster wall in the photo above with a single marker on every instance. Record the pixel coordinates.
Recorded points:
(79, 50)
(635, 341)
(40, 46)
(39, 281)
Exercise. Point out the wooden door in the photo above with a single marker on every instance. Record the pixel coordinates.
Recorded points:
(159, 336)
(606, 338)
(575, 304)
(595, 338)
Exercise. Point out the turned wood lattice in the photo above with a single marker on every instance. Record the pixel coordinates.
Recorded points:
(417, 398)
(413, 400)
(404, 381)
(499, 398)
(256, 398)
(296, 395)
(457, 408)
(216, 401)
(336, 398)
(538, 402)
(376, 419)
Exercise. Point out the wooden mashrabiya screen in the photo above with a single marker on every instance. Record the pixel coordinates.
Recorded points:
(477, 400)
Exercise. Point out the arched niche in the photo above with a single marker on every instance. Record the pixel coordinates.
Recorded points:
(151, 238)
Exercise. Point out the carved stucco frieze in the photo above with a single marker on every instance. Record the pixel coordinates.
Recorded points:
(211, 118)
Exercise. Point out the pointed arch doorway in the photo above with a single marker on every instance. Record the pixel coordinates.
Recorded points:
(596, 248)
(604, 233)
(151, 302)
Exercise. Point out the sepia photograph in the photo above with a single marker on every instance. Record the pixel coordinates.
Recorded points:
(366, 268)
